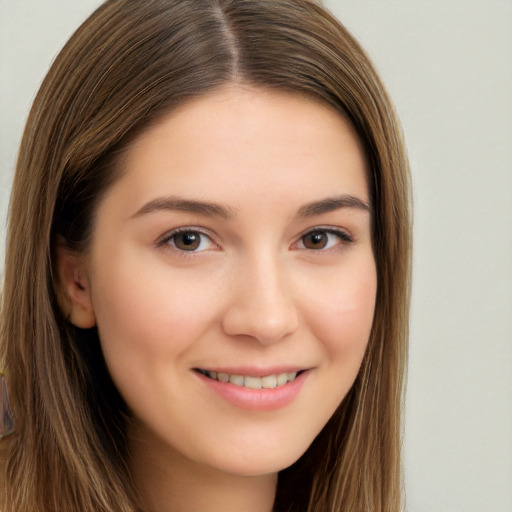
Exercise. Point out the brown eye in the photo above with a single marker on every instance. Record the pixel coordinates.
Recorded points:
(315, 240)
(324, 239)
(187, 241)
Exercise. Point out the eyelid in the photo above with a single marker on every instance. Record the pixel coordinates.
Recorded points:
(343, 234)
(163, 241)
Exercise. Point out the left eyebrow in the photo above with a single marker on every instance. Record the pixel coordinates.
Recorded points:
(178, 204)
(331, 204)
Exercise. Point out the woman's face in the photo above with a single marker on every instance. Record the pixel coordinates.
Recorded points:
(236, 247)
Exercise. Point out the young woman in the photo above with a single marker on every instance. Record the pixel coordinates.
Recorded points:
(207, 276)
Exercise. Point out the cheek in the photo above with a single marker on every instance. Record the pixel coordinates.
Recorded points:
(148, 313)
(342, 317)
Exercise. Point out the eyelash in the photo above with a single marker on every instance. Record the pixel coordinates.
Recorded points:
(166, 239)
(344, 237)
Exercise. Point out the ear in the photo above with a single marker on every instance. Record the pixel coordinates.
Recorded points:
(73, 288)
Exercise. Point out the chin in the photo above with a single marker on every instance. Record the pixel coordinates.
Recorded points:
(264, 462)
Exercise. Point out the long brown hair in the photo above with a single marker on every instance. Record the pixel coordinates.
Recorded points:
(129, 64)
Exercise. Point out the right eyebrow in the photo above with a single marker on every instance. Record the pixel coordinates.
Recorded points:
(178, 204)
(333, 203)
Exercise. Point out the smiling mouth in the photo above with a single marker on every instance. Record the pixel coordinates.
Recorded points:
(246, 381)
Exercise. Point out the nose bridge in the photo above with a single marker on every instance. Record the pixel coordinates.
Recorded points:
(262, 305)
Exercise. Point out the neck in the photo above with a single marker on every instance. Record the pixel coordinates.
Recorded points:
(166, 481)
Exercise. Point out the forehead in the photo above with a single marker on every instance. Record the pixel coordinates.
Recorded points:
(240, 141)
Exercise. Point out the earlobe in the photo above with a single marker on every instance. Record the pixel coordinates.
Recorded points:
(73, 289)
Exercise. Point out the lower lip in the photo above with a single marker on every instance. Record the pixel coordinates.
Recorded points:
(257, 399)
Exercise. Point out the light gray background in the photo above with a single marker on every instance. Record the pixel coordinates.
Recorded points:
(448, 66)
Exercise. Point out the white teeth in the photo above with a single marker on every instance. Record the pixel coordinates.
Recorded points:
(267, 382)
(282, 379)
(252, 382)
(237, 380)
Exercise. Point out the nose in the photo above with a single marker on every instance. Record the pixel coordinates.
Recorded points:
(262, 305)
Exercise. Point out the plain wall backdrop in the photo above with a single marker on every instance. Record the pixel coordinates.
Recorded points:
(448, 67)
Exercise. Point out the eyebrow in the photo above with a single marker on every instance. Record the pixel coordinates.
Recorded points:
(331, 204)
(177, 204)
(225, 212)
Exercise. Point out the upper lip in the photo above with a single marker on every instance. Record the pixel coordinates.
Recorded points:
(253, 371)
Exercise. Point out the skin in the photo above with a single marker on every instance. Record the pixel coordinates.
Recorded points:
(255, 293)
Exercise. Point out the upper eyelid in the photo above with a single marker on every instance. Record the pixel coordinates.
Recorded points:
(206, 232)
(173, 232)
(327, 229)
(344, 235)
